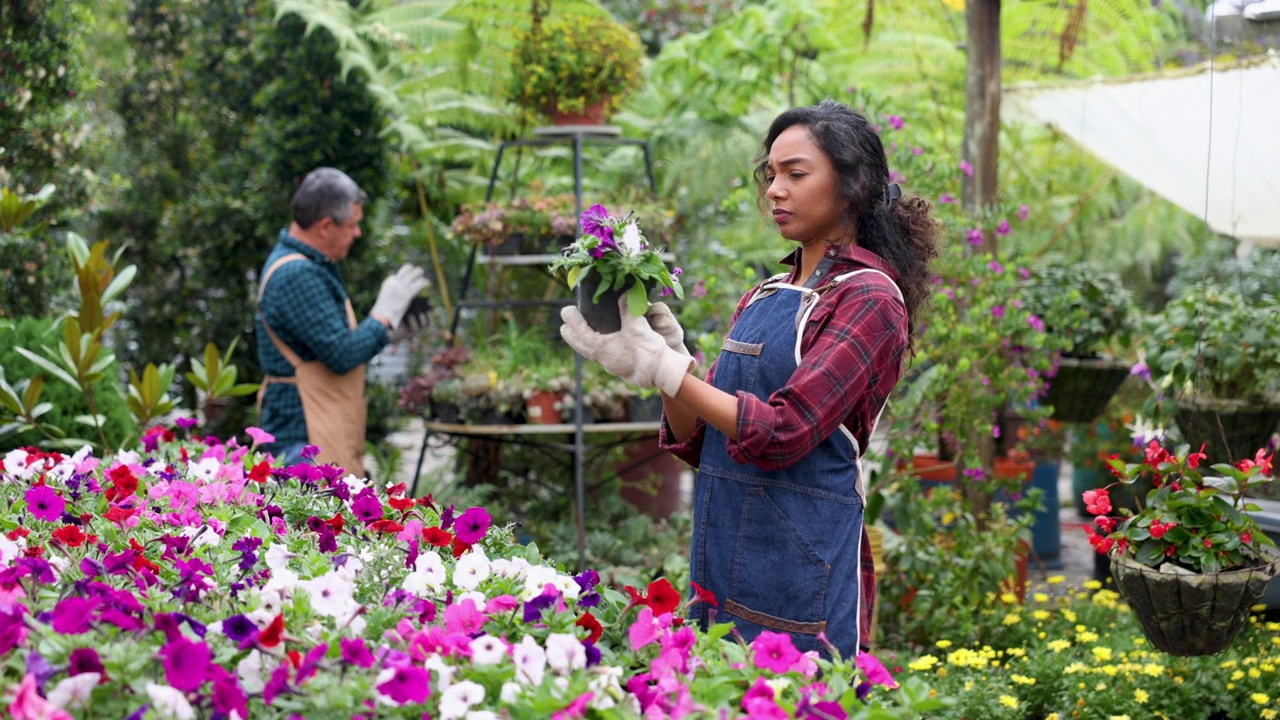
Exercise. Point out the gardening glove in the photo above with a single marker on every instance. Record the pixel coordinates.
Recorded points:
(396, 294)
(635, 353)
(412, 325)
(666, 325)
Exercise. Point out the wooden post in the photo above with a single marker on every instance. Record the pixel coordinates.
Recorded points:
(982, 112)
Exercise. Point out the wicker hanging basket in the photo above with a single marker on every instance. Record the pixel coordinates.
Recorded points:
(1189, 614)
(1233, 430)
(1083, 387)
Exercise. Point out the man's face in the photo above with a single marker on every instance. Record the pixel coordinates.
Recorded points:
(340, 237)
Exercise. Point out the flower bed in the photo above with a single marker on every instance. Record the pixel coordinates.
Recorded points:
(1082, 654)
(196, 580)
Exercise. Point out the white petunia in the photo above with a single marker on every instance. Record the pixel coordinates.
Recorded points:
(270, 602)
(278, 556)
(205, 470)
(251, 671)
(488, 650)
(459, 698)
(510, 693)
(471, 570)
(567, 587)
(481, 715)
(331, 594)
(282, 582)
(427, 576)
(124, 457)
(73, 692)
(632, 241)
(509, 569)
(536, 578)
(443, 670)
(530, 660)
(9, 550)
(169, 702)
(565, 653)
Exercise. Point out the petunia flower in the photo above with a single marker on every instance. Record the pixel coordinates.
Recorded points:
(45, 504)
(405, 683)
(459, 698)
(71, 615)
(73, 692)
(530, 661)
(595, 221)
(471, 526)
(186, 663)
(875, 671)
(169, 702)
(774, 651)
(26, 703)
(85, 660)
(565, 653)
(355, 652)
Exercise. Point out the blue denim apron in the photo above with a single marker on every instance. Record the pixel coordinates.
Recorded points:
(779, 549)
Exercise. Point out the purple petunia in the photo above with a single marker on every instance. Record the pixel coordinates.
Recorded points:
(471, 526)
(45, 504)
(367, 506)
(238, 628)
(71, 615)
(595, 221)
(408, 684)
(84, 660)
(355, 652)
(186, 663)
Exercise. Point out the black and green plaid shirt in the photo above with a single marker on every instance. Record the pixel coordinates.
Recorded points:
(304, 305)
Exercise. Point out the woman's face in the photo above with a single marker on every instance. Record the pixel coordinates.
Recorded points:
(803, 189)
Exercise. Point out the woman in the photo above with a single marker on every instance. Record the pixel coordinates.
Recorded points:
(779, 426)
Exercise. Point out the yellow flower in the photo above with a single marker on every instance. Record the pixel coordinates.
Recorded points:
(1260, 607)
(1227, 664)
(1052, 716)
(1092, 585)
(1009, 701)
(1231, 686)
(923, 663)
(1255, 673)
(1237, 675)
(1100, 687)
(1040, 615)
(1102, 654)
(1012, 619)
(1119, 717)
(1008, 598)
(1140, 696)
(1022, 679)
(1273, 626)
(1087, 636)
(1110, 670)
(1269, 714)
(1260, 698)
(1055, 579)
(1016, 652)
(1070, 616)
(1059, 645)
(1040, 597)
(1076, 667)
(943, 644)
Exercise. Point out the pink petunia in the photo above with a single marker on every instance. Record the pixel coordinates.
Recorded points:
(463, 617)
(774, 651)
(471, 526)
(875, 671)
(26, 703)
(186, 663)
(409, 684)
(644, 630)
(45, 504)
(260, 436)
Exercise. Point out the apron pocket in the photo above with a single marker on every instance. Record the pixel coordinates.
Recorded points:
(779, 580)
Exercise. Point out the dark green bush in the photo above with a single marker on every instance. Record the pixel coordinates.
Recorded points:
(31, 333)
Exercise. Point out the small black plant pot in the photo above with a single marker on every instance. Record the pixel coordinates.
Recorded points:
(445, 412)
(602, 315)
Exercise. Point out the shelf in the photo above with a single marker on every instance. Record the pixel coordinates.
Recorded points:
(545, 259)
(532, 429)
(584, 130)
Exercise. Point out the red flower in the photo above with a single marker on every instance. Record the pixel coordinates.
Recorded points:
(428, 502)
(437, 537)
(1116, 465)
(1156, 454)
(701, 596)
(1169, 551)
(400, 503)
(1100, 543)
(118, 514)
(272, 634)
(459, 547)
(636, 598)
(1260, 460)
(69, 535)
(1158, 529)
(33, 551)
(386, 526)
(18, 532)
(1107, 524)
(663, 598)
(1246, 537)
(592, 626)
(1097, 502)
(336, 522)
(397, 489)
(1208, 543)
(1193, 460)
(260, 472)
(124, 481)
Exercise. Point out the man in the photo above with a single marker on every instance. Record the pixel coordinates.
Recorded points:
(312, 350)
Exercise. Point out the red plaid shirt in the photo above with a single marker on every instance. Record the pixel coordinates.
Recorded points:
(851, 359)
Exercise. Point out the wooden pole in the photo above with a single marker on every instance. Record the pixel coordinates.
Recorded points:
(982, 112)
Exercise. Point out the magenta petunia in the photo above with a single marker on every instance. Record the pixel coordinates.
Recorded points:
(71, 615)
(186, 663)
(463, 617)
(472, 525)
(355, 652)
(408, 684)
(367, 507)
(774, 651)
(595, 221)
(45, 504)
(875, 671)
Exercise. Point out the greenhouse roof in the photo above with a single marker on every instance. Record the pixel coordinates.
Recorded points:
(1206, 138)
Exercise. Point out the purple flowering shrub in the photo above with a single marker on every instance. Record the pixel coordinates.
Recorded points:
(196, 579)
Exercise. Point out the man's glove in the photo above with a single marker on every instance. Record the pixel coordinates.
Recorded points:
(396, 294)
(635, 353)
(412, 325)
(666, 325)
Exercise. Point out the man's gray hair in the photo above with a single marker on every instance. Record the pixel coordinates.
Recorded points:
(326, 192)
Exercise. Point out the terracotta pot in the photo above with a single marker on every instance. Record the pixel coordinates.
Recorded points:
(592, 114)
(541, 407)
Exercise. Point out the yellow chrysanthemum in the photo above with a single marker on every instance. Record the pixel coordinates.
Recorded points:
(1012, 619)
(1022, 679)
(1040, 615)
(1269, 714)
(1140, 696)
(1260, 698)
(1040, 597)
(1059, 645)
(1053, 716)
(1119, 717)
(943, 644)
(1087, 636)
(1273, 626)
(1009, 701)
(1016, 652)
(1102, 654)
(923, 663)
(1055, 579)
(1070, 616)
(1255, 673)
(1092, 585)
(1237, 675)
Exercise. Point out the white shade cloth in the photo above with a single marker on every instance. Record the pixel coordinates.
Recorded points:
(1207, 140)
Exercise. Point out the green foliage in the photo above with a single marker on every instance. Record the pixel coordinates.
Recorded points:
(661, 21)
(66, 402)
(615, 248)
(568, 62)
(1214, 343)
(1087, 304)
(1253, 276)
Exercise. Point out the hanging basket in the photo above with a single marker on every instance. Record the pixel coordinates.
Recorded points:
(1189, 614)
(1232, 430)
(1083, 387)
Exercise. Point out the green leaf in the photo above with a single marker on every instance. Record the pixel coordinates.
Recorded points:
(637, 300)
(77, 250)
(242, 389)
(48, 365)
(91, 420)
(119, 283)
(574, 277)
(531, 554)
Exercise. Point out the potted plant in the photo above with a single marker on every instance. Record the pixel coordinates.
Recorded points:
(1190, 561)
(546, 385)
(575, 69)
(610, 259)
(1218, 354)
(1089, 307)
(420, 392)
(524, 225)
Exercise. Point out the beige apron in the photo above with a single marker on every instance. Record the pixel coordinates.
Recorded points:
(334, 406)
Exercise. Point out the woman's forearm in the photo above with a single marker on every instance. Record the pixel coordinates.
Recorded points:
(697, 398)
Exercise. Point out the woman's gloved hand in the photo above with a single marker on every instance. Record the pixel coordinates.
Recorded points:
(636, 353)
(666, 325)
